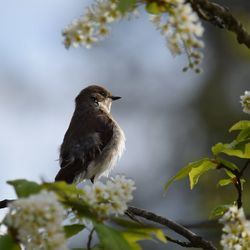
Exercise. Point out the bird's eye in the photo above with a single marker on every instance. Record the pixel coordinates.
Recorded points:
(93, 99)
(103, 93)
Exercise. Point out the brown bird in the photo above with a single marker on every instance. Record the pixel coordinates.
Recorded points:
(94, 141)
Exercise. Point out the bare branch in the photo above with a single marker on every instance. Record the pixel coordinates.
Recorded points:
(4, 203)
(221, 17)
(90, 239)
(178, 242)
(195, 240)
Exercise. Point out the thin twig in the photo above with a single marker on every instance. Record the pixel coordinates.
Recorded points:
(90, 239)
(221, 17)
(178, 242)
(4, 203)
(195, 240)
(237, 182)
(244, 168)
(132, 217)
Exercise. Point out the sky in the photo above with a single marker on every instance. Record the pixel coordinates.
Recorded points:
(39, 80)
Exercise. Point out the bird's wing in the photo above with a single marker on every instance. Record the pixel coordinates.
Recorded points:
(81, 146)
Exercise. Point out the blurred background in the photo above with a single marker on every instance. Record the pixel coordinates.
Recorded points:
(169, 117)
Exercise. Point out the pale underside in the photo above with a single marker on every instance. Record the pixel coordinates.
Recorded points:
(105, 162)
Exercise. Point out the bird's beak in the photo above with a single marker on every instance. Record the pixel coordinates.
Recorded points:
(115, 97)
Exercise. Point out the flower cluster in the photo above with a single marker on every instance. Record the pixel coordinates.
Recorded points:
(236, 230)
(177, 22)
(110, 198)
(93, 25)
(245, 102)
(181, 28)
(38, 221)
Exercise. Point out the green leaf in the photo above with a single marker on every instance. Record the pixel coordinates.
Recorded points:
(197, 171)
(153, 8)
(8, 243)
(184, 172)
(62, 188)
(241, 150)
(125, 5)
(180, 175)
(240, 125)
(71, 230)
(218, 148)
(219, 211)
(80, 208)
(133, 237)
(147, 231)
(230, 174)
(111, 239)
(25, 188)
(224, 182)
(229, 164)
(243, 135)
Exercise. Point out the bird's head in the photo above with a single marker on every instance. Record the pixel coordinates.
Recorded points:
(96, 97)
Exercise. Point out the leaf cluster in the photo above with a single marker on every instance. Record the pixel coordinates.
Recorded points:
(238, 148)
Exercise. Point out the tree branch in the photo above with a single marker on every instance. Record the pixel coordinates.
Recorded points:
(237, 181)
(4, 203)
(178, 242)
(90, 239)
(195, 240)
(221, 17)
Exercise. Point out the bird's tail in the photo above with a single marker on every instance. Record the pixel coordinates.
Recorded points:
(69, 173)
(65, 174)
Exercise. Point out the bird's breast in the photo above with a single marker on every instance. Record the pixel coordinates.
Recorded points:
(110, 154)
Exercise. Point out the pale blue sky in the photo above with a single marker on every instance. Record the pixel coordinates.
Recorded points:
(39, 79)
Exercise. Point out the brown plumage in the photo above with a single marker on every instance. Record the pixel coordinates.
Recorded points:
(92, 139)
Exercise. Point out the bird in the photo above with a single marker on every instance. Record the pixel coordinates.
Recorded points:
(94, 141)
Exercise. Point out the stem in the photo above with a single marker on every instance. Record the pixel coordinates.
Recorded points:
(195, 240)
(90, 239)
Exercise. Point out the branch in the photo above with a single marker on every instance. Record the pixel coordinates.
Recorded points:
(4, 203)
(90, 239)
(195, 240)
(237, 182)
(178, 242)
(221, 17)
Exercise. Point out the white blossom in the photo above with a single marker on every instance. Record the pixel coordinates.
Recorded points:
(93, 25)
(38, 221)
(181, 27)
(245, 102)
(236, 230)
(110, 198)
(177, 22)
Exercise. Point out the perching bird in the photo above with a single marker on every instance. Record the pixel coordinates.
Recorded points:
(94, 141)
